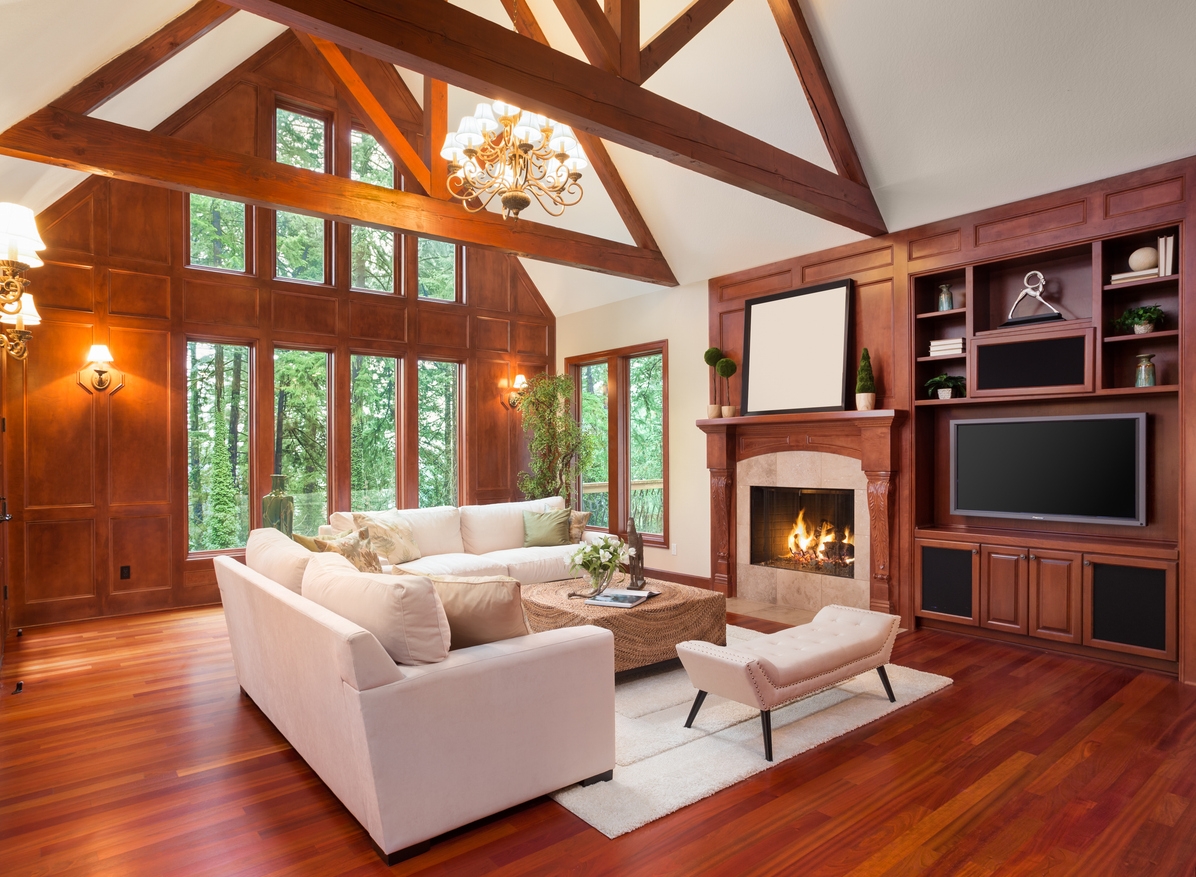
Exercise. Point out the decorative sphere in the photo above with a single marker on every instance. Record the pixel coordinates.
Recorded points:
(1143, 258)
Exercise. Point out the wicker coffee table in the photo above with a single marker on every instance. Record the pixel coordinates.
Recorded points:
(644, 634)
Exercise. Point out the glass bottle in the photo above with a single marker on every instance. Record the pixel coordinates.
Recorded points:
(946, 300)
(1144, 374)
(278, 508)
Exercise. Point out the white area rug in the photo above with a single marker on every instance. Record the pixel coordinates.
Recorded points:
(662, 766)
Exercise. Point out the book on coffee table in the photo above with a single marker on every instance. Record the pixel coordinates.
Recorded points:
(621, 598)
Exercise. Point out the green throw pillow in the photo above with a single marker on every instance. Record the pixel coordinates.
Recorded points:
(546, 528)
(308, 542)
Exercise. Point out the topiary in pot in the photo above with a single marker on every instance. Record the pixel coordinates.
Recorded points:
(865, 384)
(711, 358)
(725, 368)
(558, 448)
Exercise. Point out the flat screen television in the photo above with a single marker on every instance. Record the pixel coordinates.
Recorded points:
(1088, 469)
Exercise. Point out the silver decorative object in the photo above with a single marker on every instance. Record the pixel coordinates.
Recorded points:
(635, 563)
(1034, 290)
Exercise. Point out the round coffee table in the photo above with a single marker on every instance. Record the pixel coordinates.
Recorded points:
(644, 634)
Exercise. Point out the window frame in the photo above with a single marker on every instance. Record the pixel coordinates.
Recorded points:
(618, 406)
(398, 240)
(328, 118)
(250, 236)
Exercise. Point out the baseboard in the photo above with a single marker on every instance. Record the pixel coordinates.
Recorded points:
(680, 578)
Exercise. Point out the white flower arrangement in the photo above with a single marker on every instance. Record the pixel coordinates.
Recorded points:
(601, 557)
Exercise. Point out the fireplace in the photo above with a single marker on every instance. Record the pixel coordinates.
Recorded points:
(805, 529)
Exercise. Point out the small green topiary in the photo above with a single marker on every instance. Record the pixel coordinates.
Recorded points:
(711, 357)
(724, 368)
(864, 382)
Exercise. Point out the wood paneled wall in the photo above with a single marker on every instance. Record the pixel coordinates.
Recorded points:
(97, 480)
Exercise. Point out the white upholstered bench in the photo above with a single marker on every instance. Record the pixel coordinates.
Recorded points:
(771, 671)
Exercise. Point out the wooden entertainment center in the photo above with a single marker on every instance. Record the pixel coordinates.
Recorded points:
(1102, 590)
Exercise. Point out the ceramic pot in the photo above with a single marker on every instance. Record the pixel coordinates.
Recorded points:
(730, 411)
(713, 411)
(865, 401)
(945, 393)
(1144, 375)
(946, 301)
(1143, 328)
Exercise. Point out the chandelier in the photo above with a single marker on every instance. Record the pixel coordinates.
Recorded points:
(19, 243)
(505, 152)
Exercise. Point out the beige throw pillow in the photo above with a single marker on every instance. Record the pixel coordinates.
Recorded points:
(403, 612)
(354, 547)
(391, 534)
(481, 609)
(577, 525)
(546, 528)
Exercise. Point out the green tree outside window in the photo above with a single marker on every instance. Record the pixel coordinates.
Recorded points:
(299, 140)
(595, 491)
(439, 406)
(645, 420)
(217, 233)
(372, 251)
(373, 448)
(437, 270)
(301, 433)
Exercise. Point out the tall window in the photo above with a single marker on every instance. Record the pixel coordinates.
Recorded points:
(372, 259)
(217, 231)
(299, 140)
(437, 269)
(217, 445)
(373, 449)
(301, 433)
(439, 407)
(623, 405)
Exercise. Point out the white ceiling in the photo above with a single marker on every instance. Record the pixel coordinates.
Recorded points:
(954, 106)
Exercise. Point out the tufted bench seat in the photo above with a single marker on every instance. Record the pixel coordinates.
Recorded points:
(771, 671)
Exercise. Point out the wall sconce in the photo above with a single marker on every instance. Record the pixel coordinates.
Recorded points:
(19, 243)
(517, 391)
(100, 357)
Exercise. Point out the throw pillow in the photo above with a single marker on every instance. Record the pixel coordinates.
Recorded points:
(402, 612)
(577, 525)
(308, 542)
(355, 548)
(481, 609)
(546, 528)
(391, 534)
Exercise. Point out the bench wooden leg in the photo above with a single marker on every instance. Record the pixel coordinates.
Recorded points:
(693, 713)
(766, 723)
(884, 678)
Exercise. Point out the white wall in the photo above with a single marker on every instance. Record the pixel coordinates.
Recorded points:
(680, 316)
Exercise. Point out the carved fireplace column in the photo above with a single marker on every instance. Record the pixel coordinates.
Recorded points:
(882, 594)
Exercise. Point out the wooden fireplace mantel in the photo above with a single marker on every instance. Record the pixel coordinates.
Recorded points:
(865, 435)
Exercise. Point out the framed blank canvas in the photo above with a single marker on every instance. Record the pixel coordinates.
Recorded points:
(795, 350)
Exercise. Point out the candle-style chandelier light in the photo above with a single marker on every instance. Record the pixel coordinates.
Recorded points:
(504, 151)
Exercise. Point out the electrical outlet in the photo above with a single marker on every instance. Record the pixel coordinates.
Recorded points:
(125, 572)
(673, 548)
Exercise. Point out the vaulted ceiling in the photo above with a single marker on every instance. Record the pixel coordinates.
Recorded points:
(952, 107)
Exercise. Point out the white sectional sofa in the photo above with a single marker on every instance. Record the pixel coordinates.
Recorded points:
(477, 540)
(416, 751)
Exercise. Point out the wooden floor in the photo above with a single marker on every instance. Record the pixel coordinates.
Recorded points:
(131, 752)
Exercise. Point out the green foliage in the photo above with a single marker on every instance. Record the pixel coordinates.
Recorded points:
(217, 233)
(218, 446)
(712, 356)
(300, 241)
(955, 383)
(373, 449)
(864, 382)
(726, 367)
(595, 496)
(370, 162)
(301, 432)
(645, 420)
(437, 270)
(559, 448)
(1139, 317)
(299, 140)
(222, 527)
(438, 404)
(372, 251)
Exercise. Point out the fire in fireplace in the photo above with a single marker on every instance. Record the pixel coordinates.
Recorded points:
(802, 528)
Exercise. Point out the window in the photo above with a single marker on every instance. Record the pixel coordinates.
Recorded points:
(437, 270)
(299, 140)
(439, 403)
(373, 449)
(301, 433)
(217, 231)
(623, 405)
(372, 251)
(218, 427)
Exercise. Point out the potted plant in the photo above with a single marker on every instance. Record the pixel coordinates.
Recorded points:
(711, 357)
(865, 384)
(947, 386)
(725, 368)
(558, 449)
(1140, 321)
(600, 561)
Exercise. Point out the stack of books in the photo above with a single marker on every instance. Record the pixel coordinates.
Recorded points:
(946, 347)
(1166, 261)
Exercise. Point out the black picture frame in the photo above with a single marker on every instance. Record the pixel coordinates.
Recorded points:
(789, 341)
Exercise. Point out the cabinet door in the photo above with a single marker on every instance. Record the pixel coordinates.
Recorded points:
(946, 580)
(1130, 605)
(1056, 587)
(1003, 589)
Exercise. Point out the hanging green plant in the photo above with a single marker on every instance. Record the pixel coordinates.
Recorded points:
(557, 446)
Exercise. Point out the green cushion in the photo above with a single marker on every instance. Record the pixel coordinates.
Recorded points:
(546, 528)
(307, 542)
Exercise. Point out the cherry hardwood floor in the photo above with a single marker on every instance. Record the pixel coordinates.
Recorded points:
(132, 752)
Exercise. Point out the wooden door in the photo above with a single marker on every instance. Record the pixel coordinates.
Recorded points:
(1056, 590)
(946, 580)
(1003, 573)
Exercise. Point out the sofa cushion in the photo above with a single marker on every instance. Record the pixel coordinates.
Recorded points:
(356, 547)
(577, 525)
(437, 530)
(402, 612)
(546, 528)
(453, 565)
(308, 542)
(534, 565)
(486, 528)
(391, 533)
(481, 609)
(275, 556)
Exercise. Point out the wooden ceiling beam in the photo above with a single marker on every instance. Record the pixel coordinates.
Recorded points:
(94, 146)
(625, 16)
(121, 72)
(817, 87)
(448, 43)
(677, 33)
(368, 108)
(593, 32)
(435, 129)
(410, 113)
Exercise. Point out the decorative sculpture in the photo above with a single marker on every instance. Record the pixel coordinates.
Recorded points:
(635, 563)
(1034, 290)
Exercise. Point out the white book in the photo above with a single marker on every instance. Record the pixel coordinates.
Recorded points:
(1127, 276)
(621, 598)
(955, 342)
(1169, 264)
(1162, 256)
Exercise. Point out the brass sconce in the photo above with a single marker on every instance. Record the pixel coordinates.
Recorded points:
(16, 339)
(517, 391)
(100, 358)
(19, 243)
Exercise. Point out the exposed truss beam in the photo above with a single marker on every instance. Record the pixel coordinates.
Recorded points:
(367, 106)
(121, 72)
(94, 146)
(817, 86)
(592, 31)
(373, 71)
(673, 38)
(625, 16)
(435, 129)
(456, 46)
